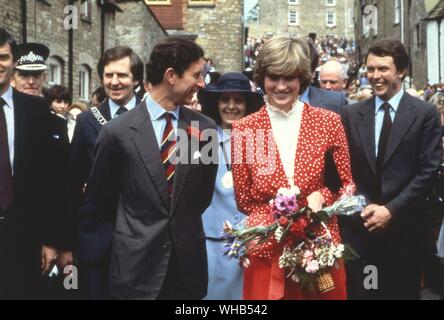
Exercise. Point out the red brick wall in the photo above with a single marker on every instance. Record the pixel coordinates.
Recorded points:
(170, 16)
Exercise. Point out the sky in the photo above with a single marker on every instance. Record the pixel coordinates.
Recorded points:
(248, 5)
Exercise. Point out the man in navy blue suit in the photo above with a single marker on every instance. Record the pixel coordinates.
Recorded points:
(120, 71)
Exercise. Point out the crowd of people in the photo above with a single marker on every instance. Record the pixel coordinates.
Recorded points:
(123, 189)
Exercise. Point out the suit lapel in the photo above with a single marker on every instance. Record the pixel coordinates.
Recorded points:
(20, 128)
(182, 169)
(404, 119)
(365, 125)
(145, 142)
(315, 97)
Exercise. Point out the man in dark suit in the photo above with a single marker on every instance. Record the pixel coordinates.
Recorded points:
(395, 147)
(120, 71)
(158, 248)
(26, 180)
(28, 77)
(329, 100)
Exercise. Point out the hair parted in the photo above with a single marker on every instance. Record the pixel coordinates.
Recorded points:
(391, 48)
(120, 52)
(284, 57)
(7, 38)
(173, 52)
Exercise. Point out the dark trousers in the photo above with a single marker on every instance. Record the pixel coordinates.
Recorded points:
(93, 279)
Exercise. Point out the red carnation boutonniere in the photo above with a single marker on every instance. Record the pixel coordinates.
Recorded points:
(195, 133)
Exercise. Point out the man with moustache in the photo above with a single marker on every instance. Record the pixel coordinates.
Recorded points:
(27, 231)
(395, 148)
(121, 71)
(155, 204)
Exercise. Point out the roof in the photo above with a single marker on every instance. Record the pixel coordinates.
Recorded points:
(437, 12)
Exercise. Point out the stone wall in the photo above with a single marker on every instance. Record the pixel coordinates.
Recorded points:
(219, 31)
(136, 27)
(143, 31)
(273, 19)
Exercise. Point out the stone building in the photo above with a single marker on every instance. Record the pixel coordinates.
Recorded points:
(299, 18)
(405, 20)
(77, 32)
(215, 24)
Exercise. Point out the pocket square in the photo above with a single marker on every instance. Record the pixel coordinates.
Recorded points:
(196, 155)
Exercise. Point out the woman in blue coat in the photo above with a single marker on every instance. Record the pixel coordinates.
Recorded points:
(227, 101)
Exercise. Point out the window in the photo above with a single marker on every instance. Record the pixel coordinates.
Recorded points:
(86, 9)
(351, 17)
(370, 21)
(331, 19)
(157, 2)
(200, 2)
(293, 1)
(293, 18)
(397, 11)
(330, 3)
(84, 80)
(55, 70)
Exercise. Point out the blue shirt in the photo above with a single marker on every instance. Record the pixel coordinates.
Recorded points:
(379, 114)
(159, 122)
(113, 107)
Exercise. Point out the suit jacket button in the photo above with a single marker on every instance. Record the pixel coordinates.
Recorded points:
(165, 246)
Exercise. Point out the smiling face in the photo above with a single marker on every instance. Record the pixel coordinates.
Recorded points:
(232, 107)
(118, 81)
(383, 76)
(7, 65)
(282, 91)
(191, 81)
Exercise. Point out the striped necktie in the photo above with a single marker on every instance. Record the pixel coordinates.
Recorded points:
(167, 149)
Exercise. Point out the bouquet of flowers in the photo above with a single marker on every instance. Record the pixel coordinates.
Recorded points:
(307, 257)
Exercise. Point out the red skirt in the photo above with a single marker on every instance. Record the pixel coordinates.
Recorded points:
(264, 280)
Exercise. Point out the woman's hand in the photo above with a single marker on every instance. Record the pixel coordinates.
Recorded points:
(315, 201)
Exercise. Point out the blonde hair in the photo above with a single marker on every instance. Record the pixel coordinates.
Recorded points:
(78, 105)
(284, 57)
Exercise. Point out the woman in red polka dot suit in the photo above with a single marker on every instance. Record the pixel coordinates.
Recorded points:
(281, 145)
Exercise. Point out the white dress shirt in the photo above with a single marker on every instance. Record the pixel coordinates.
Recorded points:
(286, 126)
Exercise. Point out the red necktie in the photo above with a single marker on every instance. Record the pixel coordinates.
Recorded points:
(6, 194)
(167, 149)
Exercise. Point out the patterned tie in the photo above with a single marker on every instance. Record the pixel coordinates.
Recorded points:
(382, 145)
(6, 193)
(120, 111)
(167, 149)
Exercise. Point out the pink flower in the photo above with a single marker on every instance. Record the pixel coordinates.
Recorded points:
(194, 132)
(312, 266)
(308, 254)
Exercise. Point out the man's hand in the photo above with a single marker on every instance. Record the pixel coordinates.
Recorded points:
(64, 259)
(315, 201)
(49, 256)
(376, 218)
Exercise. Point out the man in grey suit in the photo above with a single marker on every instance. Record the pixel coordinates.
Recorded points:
(158, 246)
(395, 148)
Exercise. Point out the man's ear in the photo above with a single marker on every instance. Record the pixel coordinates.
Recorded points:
(170, 76)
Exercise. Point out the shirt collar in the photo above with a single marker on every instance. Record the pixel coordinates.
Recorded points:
(7, 96)
(224, 135)
(394, 101)
(156, 111)
(278, 112)
(114, 106)
(305, 97)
